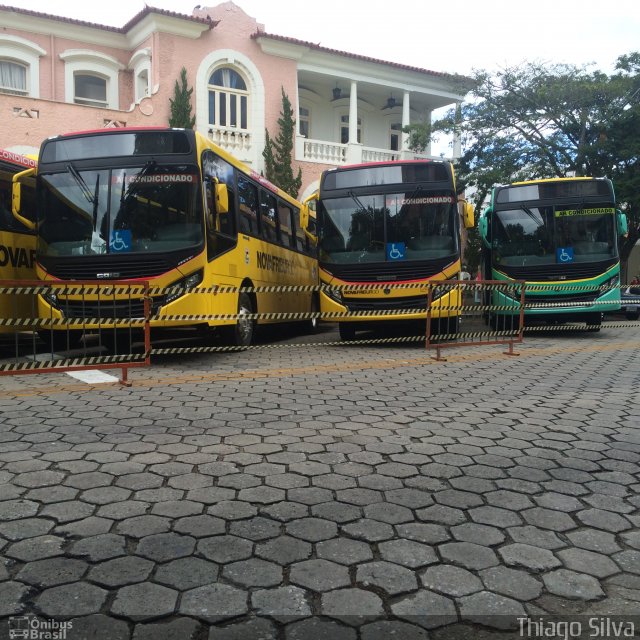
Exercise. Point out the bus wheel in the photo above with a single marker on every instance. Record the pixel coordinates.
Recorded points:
(594, 322)
(632, 315)
(347, 331)
(60, 340)
(241, 334)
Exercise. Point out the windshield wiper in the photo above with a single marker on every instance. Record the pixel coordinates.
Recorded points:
(84, 187)
(135, 181)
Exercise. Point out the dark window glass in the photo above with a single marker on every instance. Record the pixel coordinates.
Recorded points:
(285, 217)
(385, 175)
(248, 206)
(268, 217)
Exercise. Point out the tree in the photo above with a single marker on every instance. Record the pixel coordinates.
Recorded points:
(539, 120)
(181, 104)
(278, 152)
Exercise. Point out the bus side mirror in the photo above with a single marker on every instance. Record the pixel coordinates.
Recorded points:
(483, 227)
(468, 216)
(16, 196)
(622, 223)
(308, 217)
(222, 198)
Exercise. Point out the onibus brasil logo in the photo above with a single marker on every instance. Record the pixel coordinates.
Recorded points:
(32, 628)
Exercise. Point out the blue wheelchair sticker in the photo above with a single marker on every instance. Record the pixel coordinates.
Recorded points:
(120, 241)
(396, 250)
(564, 255)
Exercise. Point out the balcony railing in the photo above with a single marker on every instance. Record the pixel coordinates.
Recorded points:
(372, 154)
(236, 141)
(325, 152)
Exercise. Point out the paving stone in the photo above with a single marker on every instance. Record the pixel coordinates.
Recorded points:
(514, 583)
(223, 549)
(421, 532)
(407, 553)
(186, 573)
(339, 512)
(384, 629)
(442, 514)
(628, 560)
(359, 497)
(36, 548)
(369, 530)
(16, 509)
(100, 547)
(606, 520)
(410, 498)
(472, 532)
(558, 501)
(123, 510)
(67, 511)
(139, 481)
(208, 495)
(25, 528)
(105, 495)
(318, 629)
(257, 528)
(180, 629)
(390, 513)
(262, 495)
(468, 555)
(572, 585)
(233, 510)
(39, 478)
(100, 627)
(536, 537)
(77, 599)
(284, 604)
(344, 551)
(583, 561)
(214, 602)
(453, 581)
(200, 526)
(177, 508)
(254, 572)
(89, 480)
(529, 557)
(458, 499)
(284, 550)
(252, 629)
(334, 481)
(390, 577)
(549, 519)
(165, 546)
(382, 483)
(142, 526)
(319, 575)
(285, 511)
(312, 529)
(121, 571)
(52, 571)
(310, 495)
(91, 526)
(189, 481)
(491, 610)
(495, 516)
(427, 609)
(144, 601)
(595, 540)
(352, 606)
(12, 598)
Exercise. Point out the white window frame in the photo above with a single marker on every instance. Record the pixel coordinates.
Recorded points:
(27, 53)
(306, 118)
(140, 64)
(342, 123)
(91, 63)
(219, 90)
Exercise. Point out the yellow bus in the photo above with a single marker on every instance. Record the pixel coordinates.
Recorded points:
(17, 238)
(170, 207)
(385, 231)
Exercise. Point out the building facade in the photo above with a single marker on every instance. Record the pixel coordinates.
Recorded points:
(59, 75)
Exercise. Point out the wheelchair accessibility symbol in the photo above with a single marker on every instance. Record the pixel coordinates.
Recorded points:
(396, 250)
(564, 254)
(120, 241)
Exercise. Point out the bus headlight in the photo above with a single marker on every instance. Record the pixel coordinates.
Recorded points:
(180, 287)
(51, 297)
(335, 293)
(609, 284)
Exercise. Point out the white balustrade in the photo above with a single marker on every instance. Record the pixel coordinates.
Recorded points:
(325, 152)
(372, 154)
(233, 140)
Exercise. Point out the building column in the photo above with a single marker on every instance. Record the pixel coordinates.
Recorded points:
(354, 148)
(405, 152)
(457, 140)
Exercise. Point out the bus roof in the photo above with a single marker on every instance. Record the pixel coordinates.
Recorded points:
(17, 159)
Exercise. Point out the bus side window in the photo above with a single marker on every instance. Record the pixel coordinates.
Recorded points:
(301, 237)
(285, 218)
(268, 217)
(248, 205)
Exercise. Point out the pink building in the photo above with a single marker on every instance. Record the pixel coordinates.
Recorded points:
(59, 75)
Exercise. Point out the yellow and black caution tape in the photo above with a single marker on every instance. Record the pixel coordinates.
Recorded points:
(65, 363)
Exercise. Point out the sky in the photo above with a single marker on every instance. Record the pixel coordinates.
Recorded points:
(453, 37)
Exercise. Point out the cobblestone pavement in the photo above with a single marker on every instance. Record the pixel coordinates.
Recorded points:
(300, 493)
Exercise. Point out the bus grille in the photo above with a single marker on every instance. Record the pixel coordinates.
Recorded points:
(573, 271)
(107, 309)
(417, 303)
(386, 271)
(117, 269)
(544, 298)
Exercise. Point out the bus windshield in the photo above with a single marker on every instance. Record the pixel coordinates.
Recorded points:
(388, 227)
(148, 208)
(553, 235)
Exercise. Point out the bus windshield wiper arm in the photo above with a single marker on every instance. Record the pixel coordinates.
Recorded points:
(86, 192)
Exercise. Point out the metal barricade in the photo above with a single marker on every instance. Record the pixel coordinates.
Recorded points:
(475, 321)
(48, 327)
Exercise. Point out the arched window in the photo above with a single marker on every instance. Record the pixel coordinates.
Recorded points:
(228, 99)
(13, 78)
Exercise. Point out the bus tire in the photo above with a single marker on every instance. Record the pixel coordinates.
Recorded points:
(241, 333)
(61, 340)
(632, 316)
(347, 331)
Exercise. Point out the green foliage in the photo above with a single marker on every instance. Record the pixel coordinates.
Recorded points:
(278, 152)
(181, 104)
(551, 120)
